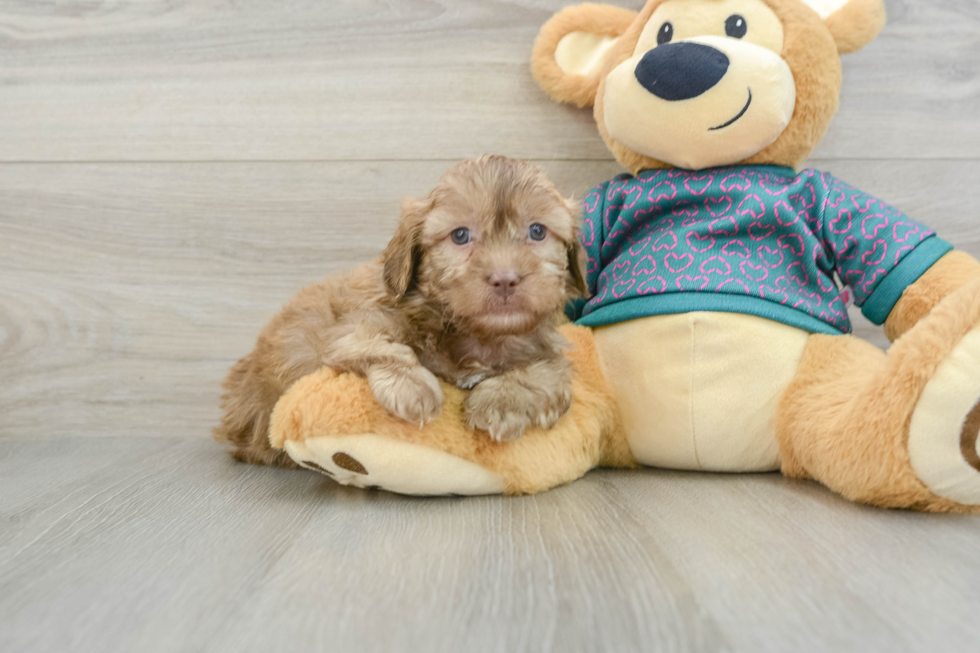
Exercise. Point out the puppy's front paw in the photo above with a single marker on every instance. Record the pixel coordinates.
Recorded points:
(411, 393)
(500, 424)
(499, 408)
(506, 406)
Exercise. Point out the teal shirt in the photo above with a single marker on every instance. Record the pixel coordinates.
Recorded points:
(759, 240)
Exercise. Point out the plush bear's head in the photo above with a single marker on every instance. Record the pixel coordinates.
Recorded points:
(703, 83)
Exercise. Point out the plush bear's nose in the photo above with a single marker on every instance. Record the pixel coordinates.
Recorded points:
(681, 71)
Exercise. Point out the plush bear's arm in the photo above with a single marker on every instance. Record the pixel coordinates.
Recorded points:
(951, 272)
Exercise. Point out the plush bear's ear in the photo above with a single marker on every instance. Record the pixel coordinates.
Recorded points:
(571, 47)
(852, 23)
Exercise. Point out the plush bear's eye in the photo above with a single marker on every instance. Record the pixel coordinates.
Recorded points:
(736, 27)
(461, 236)
(666, 34)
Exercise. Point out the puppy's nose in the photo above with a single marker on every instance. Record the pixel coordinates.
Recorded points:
(504, 282)
(681, 71)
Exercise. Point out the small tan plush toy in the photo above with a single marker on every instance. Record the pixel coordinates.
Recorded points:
(716, 334)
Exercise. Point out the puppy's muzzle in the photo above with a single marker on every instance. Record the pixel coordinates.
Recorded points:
(504, 282)
(681, 71)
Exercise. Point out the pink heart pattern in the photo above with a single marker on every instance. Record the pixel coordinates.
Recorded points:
(700, 243)
(677, 264)
(756, 231)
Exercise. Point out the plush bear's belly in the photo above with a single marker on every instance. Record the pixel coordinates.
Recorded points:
(699, 390)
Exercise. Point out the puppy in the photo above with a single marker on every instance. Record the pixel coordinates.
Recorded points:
(470, 289)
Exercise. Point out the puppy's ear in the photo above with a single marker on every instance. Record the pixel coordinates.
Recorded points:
(403, 253)
(571, 47)
(577, 262)
(578, 259)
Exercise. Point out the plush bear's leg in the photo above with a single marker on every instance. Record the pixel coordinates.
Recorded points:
(896, 429)
(331, 422)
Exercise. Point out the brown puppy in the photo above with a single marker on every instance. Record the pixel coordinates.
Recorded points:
(470, 289)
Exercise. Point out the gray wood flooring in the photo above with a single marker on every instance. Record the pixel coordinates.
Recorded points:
(172, 170)
(158, 544)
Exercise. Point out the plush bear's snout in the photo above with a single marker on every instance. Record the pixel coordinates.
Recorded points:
(681, 71)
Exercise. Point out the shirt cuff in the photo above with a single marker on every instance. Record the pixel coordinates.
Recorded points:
(879, 305)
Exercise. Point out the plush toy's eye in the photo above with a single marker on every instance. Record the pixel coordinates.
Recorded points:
(461, 236)
(537, 231)
(736, 27)
(666, 34)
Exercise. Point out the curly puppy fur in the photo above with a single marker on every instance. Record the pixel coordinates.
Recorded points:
(481, 314)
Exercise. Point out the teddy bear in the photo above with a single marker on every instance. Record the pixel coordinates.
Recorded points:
(715, 335)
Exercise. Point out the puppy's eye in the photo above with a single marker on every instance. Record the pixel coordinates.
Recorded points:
(537, 231)
(736, 27)
(666, 33)
(461, 236)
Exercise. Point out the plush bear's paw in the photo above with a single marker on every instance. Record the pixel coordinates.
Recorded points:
(945, 424)
(372, 461)
(413, 393)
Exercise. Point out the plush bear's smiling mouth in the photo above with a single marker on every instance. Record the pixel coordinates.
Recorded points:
(736, 118)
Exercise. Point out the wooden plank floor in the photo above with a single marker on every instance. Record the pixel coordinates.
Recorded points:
(172, 170)
(157, 544)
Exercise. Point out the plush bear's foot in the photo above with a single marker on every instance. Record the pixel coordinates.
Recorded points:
(371, 461)
(331, 423)
(945, 424)
(897, 430)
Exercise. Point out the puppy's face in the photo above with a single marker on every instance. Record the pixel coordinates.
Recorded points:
(494, 243)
